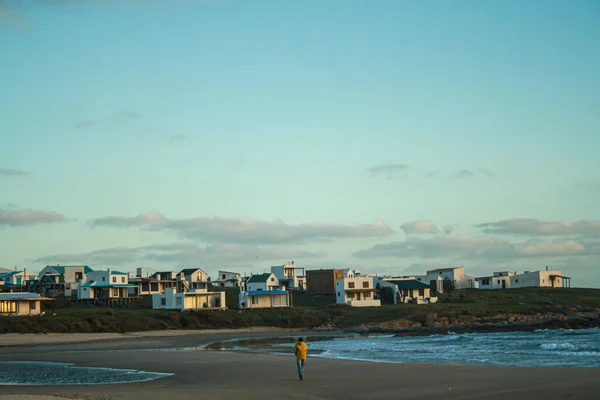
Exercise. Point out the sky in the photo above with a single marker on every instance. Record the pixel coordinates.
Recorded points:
(388, 136)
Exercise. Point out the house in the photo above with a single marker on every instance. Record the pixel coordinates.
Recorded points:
(17, 278)
(265, 299)
(61, 280)
(499, 280)
(546, 278)
(322, 281)
(192, 278)
(357, 291)
(228, 279)
(290, 277)
(107, 284)
(197, 299)
(267, 281)
(445, 279)
(146, 286)
(409, 290)
(23, 303)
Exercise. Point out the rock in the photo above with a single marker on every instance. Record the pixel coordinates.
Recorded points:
(453, 321)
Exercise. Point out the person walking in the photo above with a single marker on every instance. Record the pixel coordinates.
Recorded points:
(300, 350)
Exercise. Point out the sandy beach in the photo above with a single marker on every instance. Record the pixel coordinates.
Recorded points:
(227, 375)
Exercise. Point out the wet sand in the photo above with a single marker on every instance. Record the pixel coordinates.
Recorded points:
(226, 375)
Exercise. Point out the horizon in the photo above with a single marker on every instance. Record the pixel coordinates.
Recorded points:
(390, 137)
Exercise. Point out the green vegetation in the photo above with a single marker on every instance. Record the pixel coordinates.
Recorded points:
(310, 311)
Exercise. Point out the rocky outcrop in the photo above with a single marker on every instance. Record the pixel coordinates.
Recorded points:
(433, 323)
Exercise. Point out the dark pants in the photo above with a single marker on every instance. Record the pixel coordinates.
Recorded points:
(300, 365)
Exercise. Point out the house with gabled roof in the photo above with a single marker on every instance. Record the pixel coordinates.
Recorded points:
(61, 280)
(262, 291)
(407, 290)
(109, 284)
(192, 278)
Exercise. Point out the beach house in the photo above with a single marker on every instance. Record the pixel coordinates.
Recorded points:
(545, 278)
(22, 303)
(262, 291)
(228, 279)
(498, 280)
(290, 276)
(61, 280)
(406, 290)
(322, 281)
(356, 291)
(192, 278)
(17, 279)
(445, 279)
(104, 285)
(196, 299)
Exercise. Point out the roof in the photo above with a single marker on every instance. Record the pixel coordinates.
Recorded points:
(102, 285)
(559, 276)
(362, 290)
(118, 273)
(189, 271)
(18, 295)
(265, 292)
(444, 269)
(61, 269)
(409, 284)
(259, 278)
(9, 274)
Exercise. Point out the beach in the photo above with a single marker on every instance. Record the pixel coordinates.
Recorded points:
(230, 375)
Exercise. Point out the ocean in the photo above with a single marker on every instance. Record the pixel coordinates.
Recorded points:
(543, 348)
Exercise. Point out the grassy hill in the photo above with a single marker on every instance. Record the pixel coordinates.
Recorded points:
(312, 311)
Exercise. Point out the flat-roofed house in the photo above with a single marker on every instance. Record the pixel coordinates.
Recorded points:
(196, 299)
(357, 291)
(23, 303)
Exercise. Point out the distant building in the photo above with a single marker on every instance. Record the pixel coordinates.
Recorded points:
(104, 285)
(197, 299)
(228, 279)
(499, 280)
(323, 281)
(267, 281)
(23, 303)
(265, 299)
(62, 280)
(192, 278)
(356, 291)
(444, 279)
(290, 277)
(407, 290)
(546, 278)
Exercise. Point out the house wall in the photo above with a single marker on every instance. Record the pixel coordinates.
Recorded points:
(322, 281)
(21, 307)
(535, 279)
(271, 284)
(215, 299)
(456, 275)
(343, 296)
(495, 282)
(228, 279)
(264, 300)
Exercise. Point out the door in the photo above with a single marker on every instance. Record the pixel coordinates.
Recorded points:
(503, 284)
(19, 280)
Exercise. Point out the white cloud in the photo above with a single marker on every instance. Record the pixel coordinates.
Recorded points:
(535, 227)
(12, 172)
(15, 217)
(387, 169)
(419, 227)
(245, 230)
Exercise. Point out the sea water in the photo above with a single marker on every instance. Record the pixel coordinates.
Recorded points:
(49, 373)
(543, 348)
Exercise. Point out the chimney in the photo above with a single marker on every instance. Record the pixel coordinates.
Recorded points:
(546, 268)
(24, 280)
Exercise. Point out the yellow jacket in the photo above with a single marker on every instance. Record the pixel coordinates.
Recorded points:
(300, 350)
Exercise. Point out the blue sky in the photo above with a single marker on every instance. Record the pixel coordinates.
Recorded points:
(243, 134)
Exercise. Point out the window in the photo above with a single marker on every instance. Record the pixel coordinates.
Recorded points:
(272, 279)
(516, 281)
(254, 299)
(78, 276)
(122, 279)
(339, 294)
(114, 279)
(368, 294)
(365, 284)
(485, 282)
(351, 285)
(115, 292)
(422, 292)
(33, 305)
(103, 279)
(8, 306)
(163, 301)
(222, 276)
(498, 281)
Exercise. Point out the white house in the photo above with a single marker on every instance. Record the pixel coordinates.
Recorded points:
(62, 280)
(290, 277)
(265, 299)
(17, 278)
(193, 278)
(228, 279)
(197, 299)
(499, 280)
(267, 281)
(407, 290)
(107, 284)
(442, 279)
(22, 303)
(356, 292)
(546, 278)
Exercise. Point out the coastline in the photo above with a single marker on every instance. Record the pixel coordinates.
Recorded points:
(238, 376)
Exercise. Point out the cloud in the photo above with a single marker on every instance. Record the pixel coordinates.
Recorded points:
(448, 229)
(178, 138)
(12, 172)
(390, 170)
(484, 247)
(182, 255)
(463, 173)
(419, 227)
(486, 172)
(88, 123)
(128, 114)
(14, 218)
(535, 227)
(244, 230)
